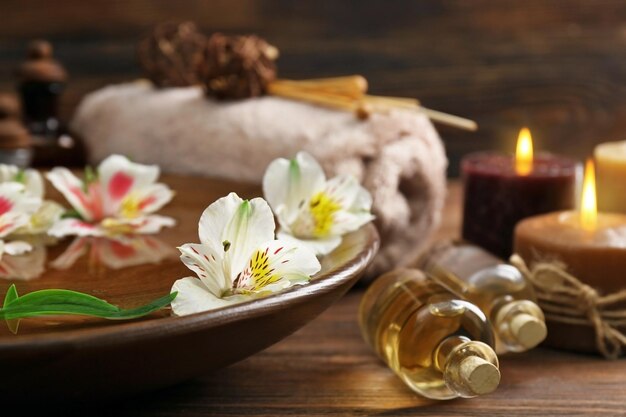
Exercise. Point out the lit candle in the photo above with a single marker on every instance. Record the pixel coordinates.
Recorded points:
(611, 160)
(591, 245)
(500, 190)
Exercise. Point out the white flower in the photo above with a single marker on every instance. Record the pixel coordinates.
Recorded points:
(311, 210)
(120, 199)
(238, 258)
(48, 213)
(16, 208)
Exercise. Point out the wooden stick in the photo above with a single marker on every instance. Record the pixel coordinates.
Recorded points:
(352, 85)
(331, 93)
(450, 119)
(323, 98)
(383, 101)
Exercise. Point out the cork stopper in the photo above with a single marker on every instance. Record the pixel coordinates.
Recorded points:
(40, 64)
(9, 106)
(479, 375)
(528, 330)
(13, 134)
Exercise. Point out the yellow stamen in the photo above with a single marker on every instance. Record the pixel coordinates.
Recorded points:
(323, 209)
(115, 227)
(257, 276)
(129, 207)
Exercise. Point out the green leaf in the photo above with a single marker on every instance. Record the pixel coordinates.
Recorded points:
(61, 302)
(10, 296)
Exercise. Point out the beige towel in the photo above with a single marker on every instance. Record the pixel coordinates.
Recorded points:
(399, 157)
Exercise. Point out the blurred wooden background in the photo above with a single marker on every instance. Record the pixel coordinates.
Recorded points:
(558, 66)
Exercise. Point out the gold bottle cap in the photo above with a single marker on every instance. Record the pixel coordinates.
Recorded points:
(528, 330)
(479, 375)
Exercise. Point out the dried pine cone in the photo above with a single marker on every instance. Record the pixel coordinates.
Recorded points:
(238, 66)
(172, 54)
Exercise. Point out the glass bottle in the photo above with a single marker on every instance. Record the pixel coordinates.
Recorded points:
(15, 140)
(440, 346)
(41, 81)
(499, 289)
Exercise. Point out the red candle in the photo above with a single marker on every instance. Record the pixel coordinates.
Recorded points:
(500, 190)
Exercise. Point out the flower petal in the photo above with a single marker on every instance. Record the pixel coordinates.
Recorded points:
(24, 267)
(153, 197)
(139, 225)
(73, 190)
(75, 250)
(215, 218)
(11, 221)
(207, 265)
(48, 214)
(132, 251)
(348, 192)
(33, 182)
(291, 261)
(17, 247)
(251, 225)
(31, 179)
(321, 246)
(194, 297)
(291, 183)
(74, 227)
(119, 177)
(346, 221)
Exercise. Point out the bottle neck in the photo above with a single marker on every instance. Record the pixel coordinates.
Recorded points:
(469, 368)
(519, 324)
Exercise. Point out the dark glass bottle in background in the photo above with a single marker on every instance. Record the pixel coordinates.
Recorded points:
(15, 141)
(41, 80)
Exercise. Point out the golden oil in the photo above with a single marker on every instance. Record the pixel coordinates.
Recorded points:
(439, 345)
(497, 288)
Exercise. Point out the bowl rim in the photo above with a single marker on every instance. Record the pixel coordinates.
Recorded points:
(146, 329)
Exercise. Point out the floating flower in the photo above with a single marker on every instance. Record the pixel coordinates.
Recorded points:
(16, 208)
(311, 210)
(120, 198)
(238, 258)
(48, 213)
(115, 253)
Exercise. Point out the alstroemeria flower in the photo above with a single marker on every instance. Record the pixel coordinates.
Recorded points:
(16, 208)
(311, 210)
(238, 258)
(120, 198)
(48, 213)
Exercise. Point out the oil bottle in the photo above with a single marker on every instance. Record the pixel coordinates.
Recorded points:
(497, 288)
(439, 345)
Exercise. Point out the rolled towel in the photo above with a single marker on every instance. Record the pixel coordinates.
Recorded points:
(398, 156)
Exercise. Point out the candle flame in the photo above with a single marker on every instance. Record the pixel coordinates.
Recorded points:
(588, 205)
(524, 153)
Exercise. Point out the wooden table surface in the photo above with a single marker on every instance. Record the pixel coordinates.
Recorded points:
(326, 369)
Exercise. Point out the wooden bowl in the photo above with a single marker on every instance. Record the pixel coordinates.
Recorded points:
(78, 359)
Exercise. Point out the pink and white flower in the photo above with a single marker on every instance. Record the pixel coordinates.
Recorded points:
(48, 212)
(238, 258)
(120, 198)
(16, 208)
